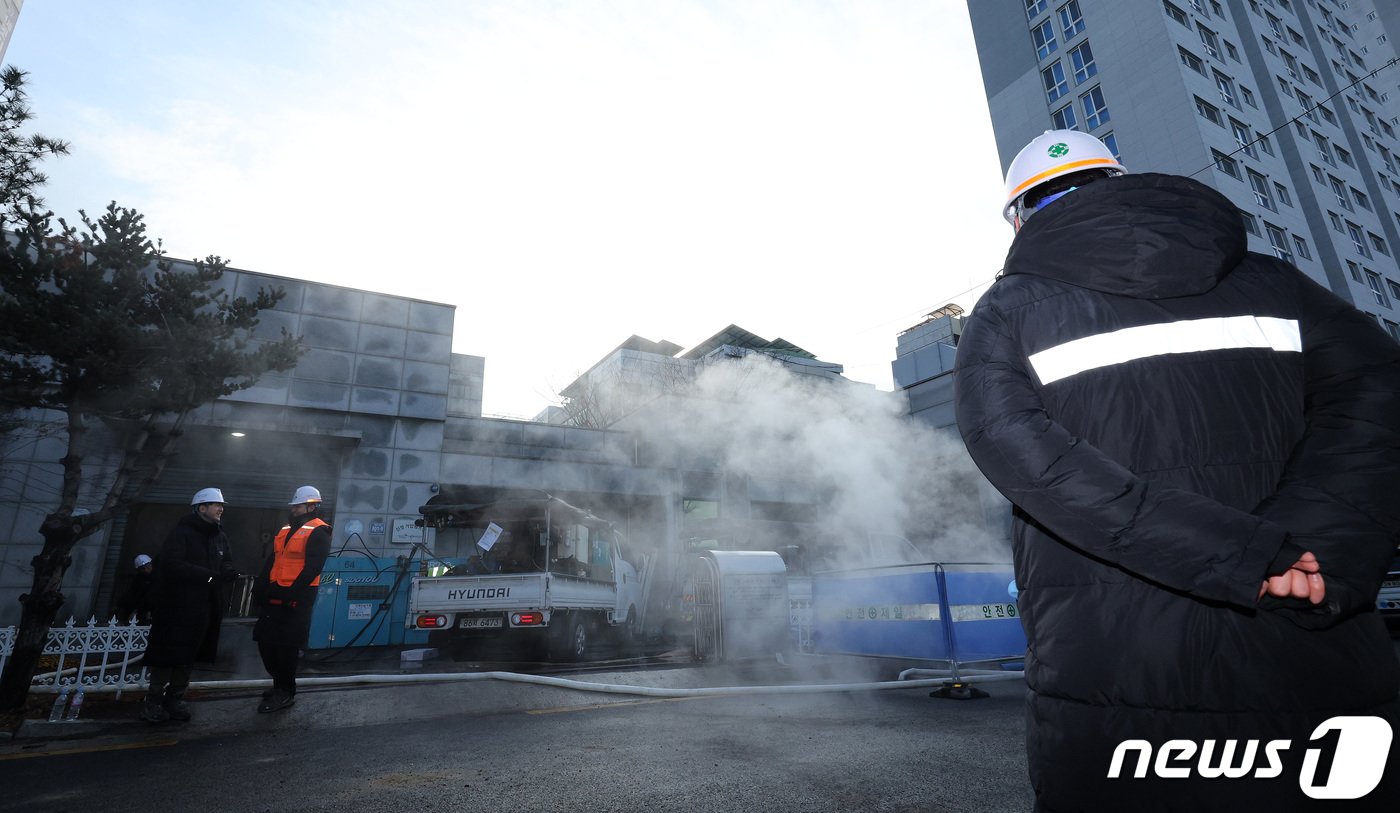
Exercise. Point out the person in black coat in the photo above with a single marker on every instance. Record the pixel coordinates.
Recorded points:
(1202, 447)
(285, 591)
(135, 603)
(187, 598)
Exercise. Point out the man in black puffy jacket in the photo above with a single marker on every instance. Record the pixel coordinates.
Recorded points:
(187, 601)
(1202, 446)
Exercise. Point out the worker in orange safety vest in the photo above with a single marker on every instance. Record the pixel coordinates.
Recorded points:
(285, 591)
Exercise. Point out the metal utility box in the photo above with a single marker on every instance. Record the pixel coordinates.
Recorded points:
(741, 605)
(956, 613)
(363, 601)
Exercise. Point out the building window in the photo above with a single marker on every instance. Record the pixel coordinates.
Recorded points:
(1243, 138)
(1355, 271)
(1251, 224)
(1305, 101)
(1324, 148)
(1064, 118)
(1226, 164)
(1215, 7)
(1209, 40)
(1302, 246)
(1082, 59)
(1393, 329)
(1358, 241)
(1055, 84)
(1043, 36)
(1111, 141)
(1327, 115)
(1312, 76)
(1379, 243)
(1034, 7)
(1361, 198)
(1281, 192)
(1231, 51)
(1283, 86)
(1394, 289)
(1278, 241)
(1263, 142)
(1339, 191)
(1175, 13)
(1373, 281)
(1191, 61)
(1208, 111)
(1248, 96)
(1071, 20)
(1269, 45)
(1344, 156)
(1095, 111)
(1260, 185)
(1226, 85)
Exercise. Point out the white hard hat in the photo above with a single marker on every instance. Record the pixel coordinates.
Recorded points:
(205, 495)
(305, 494)
(1050, 155)
(142, 560)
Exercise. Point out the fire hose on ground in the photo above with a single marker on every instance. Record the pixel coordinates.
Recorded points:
(944, 678)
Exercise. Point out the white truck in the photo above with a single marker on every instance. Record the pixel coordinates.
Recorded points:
(538, 573)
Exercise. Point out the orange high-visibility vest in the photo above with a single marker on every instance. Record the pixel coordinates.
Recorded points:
(289, 555)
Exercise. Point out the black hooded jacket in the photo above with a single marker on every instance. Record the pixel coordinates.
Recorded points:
(1175, 419)
(187, 593)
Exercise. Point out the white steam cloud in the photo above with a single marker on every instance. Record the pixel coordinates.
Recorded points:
(870, 472)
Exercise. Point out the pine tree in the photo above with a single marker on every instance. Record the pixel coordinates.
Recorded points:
(98, 327)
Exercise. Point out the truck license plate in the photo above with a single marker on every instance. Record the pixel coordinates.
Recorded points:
(489, 622)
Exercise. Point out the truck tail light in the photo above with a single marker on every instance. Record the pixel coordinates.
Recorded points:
(526, 619)
(432, 621)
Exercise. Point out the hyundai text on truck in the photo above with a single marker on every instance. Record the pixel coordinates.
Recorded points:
(539, 573)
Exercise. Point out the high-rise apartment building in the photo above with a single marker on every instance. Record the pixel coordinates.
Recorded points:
(9, 16)
(1291, 108)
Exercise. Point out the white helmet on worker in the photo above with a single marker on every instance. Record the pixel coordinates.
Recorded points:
(306, 494)
(1053, 164)
(205, 495)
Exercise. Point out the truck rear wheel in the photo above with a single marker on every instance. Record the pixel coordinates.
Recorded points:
(570, 640)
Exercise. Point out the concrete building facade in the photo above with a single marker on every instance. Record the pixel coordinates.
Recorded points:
(1288, 107)
(382, 416)
(361, 416)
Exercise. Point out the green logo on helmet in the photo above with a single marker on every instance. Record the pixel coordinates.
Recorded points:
(1058, 150)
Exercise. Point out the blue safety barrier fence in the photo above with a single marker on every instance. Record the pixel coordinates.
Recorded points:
(947, 613)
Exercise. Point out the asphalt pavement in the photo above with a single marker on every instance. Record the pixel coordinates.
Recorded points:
(447, 738)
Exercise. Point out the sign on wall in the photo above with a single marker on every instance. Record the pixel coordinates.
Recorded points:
(404, 532)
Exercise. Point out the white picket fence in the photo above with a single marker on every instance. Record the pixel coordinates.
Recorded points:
(99, 657)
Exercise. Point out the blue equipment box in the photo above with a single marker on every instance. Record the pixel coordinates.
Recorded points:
(961, 613)
(363, 601)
